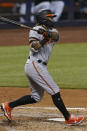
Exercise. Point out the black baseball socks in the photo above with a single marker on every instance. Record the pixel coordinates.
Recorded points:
(22, 101)
(57, 100)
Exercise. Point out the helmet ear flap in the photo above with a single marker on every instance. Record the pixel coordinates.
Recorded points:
(39, 19)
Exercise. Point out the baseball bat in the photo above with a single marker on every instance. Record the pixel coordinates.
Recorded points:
(15, 23)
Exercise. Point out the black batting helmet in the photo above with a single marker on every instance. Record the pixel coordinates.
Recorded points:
(43, 18)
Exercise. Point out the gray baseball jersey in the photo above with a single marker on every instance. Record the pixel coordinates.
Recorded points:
(45, 51)
(37, 71)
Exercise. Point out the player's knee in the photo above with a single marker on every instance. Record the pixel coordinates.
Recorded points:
(56, 98)
(37, 98)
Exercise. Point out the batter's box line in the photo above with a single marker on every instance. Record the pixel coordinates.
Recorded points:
(49, 108)
(12, 129)
(52, 108)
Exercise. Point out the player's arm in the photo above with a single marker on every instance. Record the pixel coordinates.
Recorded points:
(36, 44)
(53, 35)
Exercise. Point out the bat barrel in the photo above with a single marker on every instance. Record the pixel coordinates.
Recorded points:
(9, 21)
(15, 23)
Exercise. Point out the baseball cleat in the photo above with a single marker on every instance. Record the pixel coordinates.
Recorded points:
(7, 111)
(74, 120)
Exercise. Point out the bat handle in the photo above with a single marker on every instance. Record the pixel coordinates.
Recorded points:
(25, 26)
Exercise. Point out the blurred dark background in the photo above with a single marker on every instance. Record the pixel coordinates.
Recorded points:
(74, 13)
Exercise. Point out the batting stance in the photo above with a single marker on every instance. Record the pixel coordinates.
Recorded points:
(41, 45)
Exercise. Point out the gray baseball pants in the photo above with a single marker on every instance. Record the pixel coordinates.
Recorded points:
(39, 80)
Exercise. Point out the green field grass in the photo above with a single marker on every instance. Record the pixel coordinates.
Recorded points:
(67, 65)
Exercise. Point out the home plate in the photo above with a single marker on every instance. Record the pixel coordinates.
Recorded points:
(56, 119)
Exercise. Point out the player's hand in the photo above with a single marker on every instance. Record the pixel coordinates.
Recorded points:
(54, 36)
(35, 45)
(47, 35)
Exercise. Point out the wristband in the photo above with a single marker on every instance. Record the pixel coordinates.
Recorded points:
(42, 42)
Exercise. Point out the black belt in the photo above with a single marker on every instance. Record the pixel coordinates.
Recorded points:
(40, 61)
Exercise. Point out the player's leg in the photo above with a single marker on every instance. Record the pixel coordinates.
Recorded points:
(46, 82)
(7, 107)
(44, 79)
(36, 91)
(58, 102)
(36, 96)
(69, 119)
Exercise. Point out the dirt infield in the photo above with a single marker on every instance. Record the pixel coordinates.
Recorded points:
(35, 117)
(20, 36)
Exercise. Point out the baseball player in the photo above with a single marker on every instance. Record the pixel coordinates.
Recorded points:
(56, 6)
(41, 45)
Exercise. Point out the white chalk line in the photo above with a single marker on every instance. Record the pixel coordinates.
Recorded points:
(10, 129)
(52, 108)
(44, 114)
(46, 108)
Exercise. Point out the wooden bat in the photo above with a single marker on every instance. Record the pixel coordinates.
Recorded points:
(15, 23)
